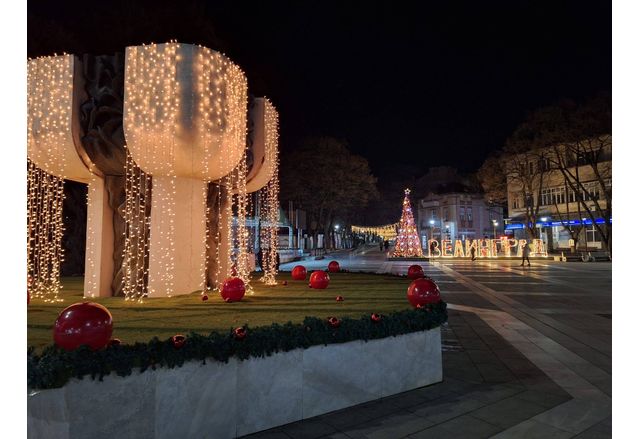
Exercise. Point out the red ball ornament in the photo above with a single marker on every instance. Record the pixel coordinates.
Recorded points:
(334, 267)
(178, 340)
(204, 297)
(334, 322)
(284, 283)
(240, 333)
(299, 273)
(422, 292)
(415, 272)
(339, 299)
(232, 290)
(319, 280)
(85, 323)
(375, 318)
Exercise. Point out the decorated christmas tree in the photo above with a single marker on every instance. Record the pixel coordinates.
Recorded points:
(407, 241)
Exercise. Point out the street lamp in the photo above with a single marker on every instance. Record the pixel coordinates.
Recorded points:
(495, 224)
(431, 223)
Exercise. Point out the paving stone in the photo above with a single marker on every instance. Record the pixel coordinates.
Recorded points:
(533, 430)
(308, 429)
(268, 434)
(508, 412)
(601, 430)
(446, 408)
(544, 399)
(398, 425)
(463, 427)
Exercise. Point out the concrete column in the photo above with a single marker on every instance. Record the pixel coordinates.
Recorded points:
(98, 265)
(176, 251)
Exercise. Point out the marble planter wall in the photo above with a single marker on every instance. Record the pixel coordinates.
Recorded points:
(226, 400)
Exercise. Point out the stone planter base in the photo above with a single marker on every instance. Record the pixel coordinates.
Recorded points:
(226, 400)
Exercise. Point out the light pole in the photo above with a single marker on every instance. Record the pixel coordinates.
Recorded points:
(431, 223)
(495, 224)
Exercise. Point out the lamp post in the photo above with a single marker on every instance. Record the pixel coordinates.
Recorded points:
(495, 224)
(431, 223)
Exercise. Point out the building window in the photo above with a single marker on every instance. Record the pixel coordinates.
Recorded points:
(463, 217)
(469, 218)
(515, 202)
(446, 213)
(433, 214)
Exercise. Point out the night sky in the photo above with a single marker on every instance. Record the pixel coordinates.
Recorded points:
(415, 84)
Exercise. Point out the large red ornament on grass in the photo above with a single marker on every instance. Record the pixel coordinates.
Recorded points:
(319, 280)
(299, 273)
(85, 323)
(178, 341)
(334, 267)
(423, 292)
(415, 272)
(240, 333)
(232, 290)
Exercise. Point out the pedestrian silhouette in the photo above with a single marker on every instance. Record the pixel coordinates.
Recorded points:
(525, 255)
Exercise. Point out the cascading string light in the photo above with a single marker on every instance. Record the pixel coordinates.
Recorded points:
(49, 87)
(45, 228)
(136, 243)
(269, 201)
(154, 126)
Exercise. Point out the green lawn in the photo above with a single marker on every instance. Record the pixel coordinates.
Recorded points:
(363, 294)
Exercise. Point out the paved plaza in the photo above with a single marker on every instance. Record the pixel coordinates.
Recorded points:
(526, 354)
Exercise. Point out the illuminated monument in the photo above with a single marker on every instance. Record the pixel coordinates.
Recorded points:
(168, 161)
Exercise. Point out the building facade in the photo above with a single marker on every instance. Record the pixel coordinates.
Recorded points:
(547, 185)
(457, 215)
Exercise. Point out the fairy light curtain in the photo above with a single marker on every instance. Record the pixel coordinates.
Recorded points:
(52, 158)
(45, 227)
(136, 233)
(185, 124)
(269, 201)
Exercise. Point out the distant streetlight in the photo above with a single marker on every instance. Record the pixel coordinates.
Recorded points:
(337, 227)
(431, 222)
(495, 224)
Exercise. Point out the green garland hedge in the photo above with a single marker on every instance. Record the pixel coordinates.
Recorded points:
(54, 366)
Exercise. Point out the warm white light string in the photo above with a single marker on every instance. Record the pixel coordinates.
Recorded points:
(269, 201)
(45, 228)
(49, 87)
(153, 125)
(137, 222)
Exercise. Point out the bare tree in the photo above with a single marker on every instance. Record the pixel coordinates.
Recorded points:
(586, 167)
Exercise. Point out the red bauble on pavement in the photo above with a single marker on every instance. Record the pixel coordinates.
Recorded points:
(178, 340)
(333, 322)
(375, 318)
(415, 272)
(85, 323)
(334, 267)
(339, 299)
(232, 290)
(299, 273)
(422, 292)
(204, 298)
(240, 333)
(319, 280)
(285, 283)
